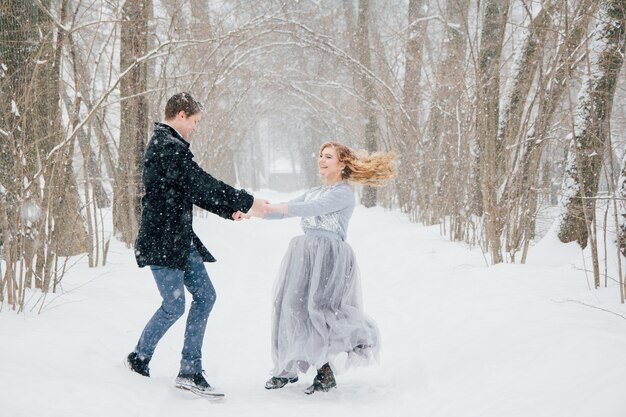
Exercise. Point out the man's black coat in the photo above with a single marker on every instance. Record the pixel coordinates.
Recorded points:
(173, 184)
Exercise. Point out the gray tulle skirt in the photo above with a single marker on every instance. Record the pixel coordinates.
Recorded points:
(318, 311)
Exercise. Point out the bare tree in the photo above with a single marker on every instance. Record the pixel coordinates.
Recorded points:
(590, 124)
(134, 118)
(488, 95)
(515, 97)
(42, 205)
(408, 143)
(521, 193)
(368, 199)
(444, 169)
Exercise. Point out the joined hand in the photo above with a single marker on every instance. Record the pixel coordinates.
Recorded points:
(260, 208)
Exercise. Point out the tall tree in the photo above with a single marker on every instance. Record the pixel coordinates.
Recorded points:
(591, 123)
(83, 79)
(442, 170)
(134, 39)
(488, 96)
(510, 126)
(45, 221)
(18, 40)
(68, 234)
(407, 170)
(368, 199)
(521, 194)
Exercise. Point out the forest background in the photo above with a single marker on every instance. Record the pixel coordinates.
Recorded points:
(499, 111)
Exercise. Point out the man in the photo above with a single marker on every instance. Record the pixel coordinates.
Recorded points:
(168, 245)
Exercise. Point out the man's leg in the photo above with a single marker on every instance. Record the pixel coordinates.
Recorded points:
(170, 284)
(199, 285)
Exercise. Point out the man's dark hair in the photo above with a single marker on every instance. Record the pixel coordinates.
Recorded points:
(182, 102)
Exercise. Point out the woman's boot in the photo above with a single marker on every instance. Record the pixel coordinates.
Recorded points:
(276, 382)
(323, 381)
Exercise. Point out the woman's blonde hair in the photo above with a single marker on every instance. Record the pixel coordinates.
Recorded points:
(372, 169)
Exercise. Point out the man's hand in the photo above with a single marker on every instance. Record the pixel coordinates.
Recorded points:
(238, 216)
(259, 208)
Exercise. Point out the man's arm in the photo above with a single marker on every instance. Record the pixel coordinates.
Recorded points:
(216, 196)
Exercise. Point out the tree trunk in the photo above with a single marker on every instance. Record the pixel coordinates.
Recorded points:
(441, 176)
(523, 71)
(82, 81)
(590, 129)
(68, 235)
(523, 186)
(621, 195)
(70, 227)
(368, 199)
(134, 120)
(490, 150)
(509, 130)
(31, 118)
(18, 21)
(406, 181)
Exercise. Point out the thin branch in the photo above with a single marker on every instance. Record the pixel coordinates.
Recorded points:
(568, 300)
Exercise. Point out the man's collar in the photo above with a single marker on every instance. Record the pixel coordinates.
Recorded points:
(175, 132)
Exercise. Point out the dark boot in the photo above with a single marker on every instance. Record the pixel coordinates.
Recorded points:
(138, 365)
(278, 382)
(323, 381)
(197, 384)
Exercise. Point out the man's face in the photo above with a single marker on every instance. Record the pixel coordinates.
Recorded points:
(186, 124)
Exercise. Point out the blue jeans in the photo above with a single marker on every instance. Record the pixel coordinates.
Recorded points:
(171, 284)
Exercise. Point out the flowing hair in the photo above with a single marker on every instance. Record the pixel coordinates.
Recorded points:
(366, 169)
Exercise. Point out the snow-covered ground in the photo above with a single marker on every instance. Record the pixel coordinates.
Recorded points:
(459, 339)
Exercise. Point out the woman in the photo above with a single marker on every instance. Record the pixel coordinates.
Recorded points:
(318, 310)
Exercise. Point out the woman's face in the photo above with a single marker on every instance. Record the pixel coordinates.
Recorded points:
(329, 165)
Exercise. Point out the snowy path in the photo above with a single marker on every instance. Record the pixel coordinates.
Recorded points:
(459, 339)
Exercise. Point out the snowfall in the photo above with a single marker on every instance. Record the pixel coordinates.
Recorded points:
(459, 338)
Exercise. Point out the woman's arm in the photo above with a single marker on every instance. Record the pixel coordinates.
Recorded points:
(279, 211)
(336, 199)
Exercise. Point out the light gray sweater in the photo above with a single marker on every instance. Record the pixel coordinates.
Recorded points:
(326, 207)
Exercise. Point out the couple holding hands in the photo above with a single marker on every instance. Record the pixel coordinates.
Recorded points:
(317, 312)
